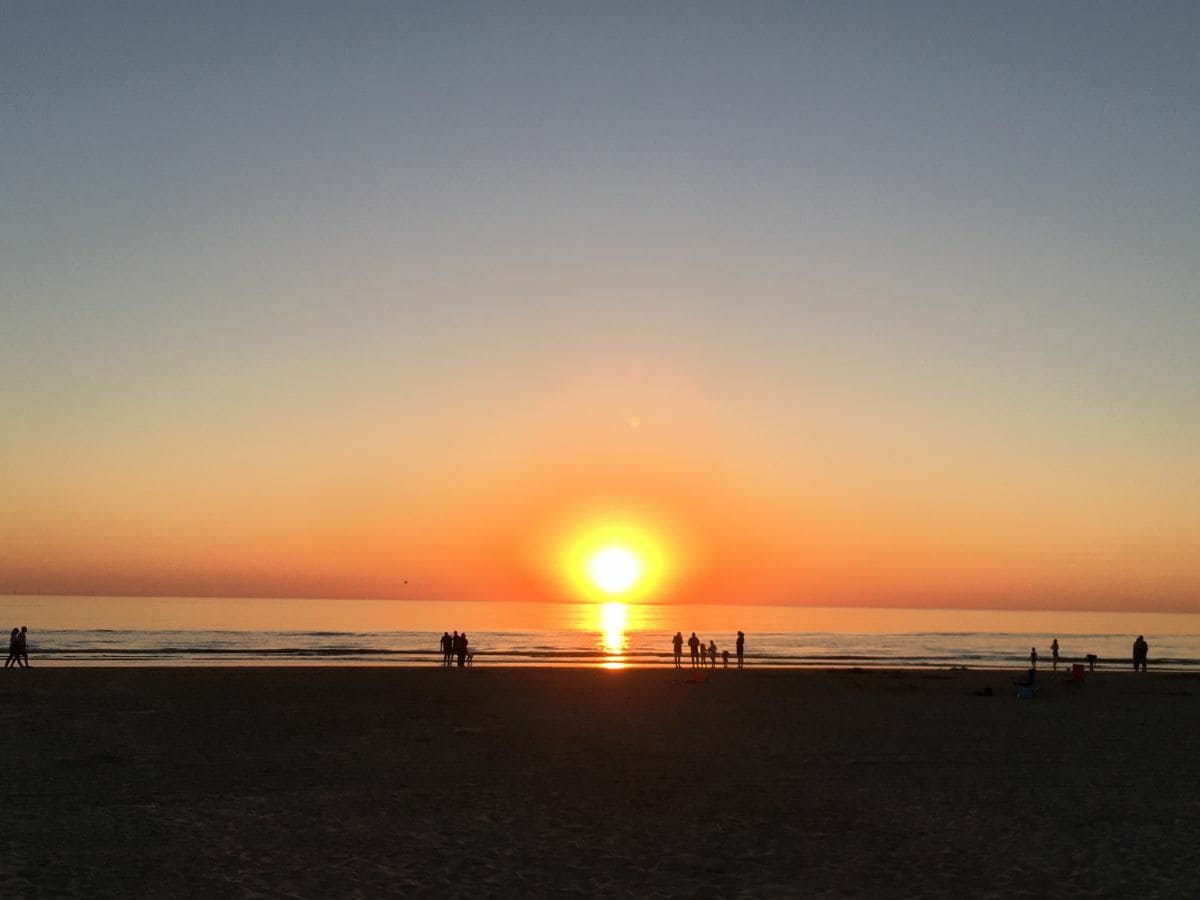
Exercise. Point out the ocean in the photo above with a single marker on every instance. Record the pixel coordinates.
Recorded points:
(141, 631)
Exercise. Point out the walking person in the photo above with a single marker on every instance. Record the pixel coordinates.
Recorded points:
(23, 648)
(712, 654)
(14, 654)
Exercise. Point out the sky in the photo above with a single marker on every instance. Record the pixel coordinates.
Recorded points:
(811, 304)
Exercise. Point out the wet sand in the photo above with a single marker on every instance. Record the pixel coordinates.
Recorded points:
(341, 782)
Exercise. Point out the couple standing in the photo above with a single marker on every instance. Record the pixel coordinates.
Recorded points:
(455, 647)
(18, 649)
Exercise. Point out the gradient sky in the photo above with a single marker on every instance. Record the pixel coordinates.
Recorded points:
(882, 304)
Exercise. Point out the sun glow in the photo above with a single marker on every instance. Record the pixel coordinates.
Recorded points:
(615, 569)
(616, 562)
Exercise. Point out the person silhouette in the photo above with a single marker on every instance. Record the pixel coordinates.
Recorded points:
(725, 658)
(677, 644)
(1141, 651)
(741, 647)
(1054, 655)
(712, 654)
(1033, 657)
(23, 646)
(462, 649)
(694, 646)
(447, 649)
(14, 653)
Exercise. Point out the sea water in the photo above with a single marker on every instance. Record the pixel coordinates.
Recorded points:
(228, 631)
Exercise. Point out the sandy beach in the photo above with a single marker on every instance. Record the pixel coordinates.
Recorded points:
(289, 782)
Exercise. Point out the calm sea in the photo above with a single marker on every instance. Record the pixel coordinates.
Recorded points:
(222, 631)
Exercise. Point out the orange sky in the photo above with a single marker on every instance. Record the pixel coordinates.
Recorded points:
(487, 507)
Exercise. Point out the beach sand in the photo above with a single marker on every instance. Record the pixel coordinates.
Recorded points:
(336, 782)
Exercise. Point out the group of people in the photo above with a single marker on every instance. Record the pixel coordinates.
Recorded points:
(18, 649)
(1141, 652)
(699, 651)
(456, 647)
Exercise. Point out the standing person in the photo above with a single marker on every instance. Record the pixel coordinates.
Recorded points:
(14, 654)
(694, 646)
(712, 654)
(1141, 650)
(741, 647)
(677, 644)
(23, 647)
(447, 649)
(1033, 657)
(462, 649)
(725, 658)
(1054, 655)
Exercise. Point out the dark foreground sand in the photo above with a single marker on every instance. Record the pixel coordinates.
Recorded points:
(503, 782)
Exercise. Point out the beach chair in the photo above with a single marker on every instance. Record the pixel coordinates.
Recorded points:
(1076, 676)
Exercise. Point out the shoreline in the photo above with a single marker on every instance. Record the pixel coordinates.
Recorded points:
(331, 663)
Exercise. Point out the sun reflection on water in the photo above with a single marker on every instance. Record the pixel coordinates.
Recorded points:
(614, 618)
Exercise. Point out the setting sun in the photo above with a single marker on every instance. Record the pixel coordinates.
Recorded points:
(615, 569)
(601, 555)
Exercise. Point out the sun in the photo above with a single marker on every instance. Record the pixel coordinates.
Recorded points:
(602, 556)
(615, 569)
